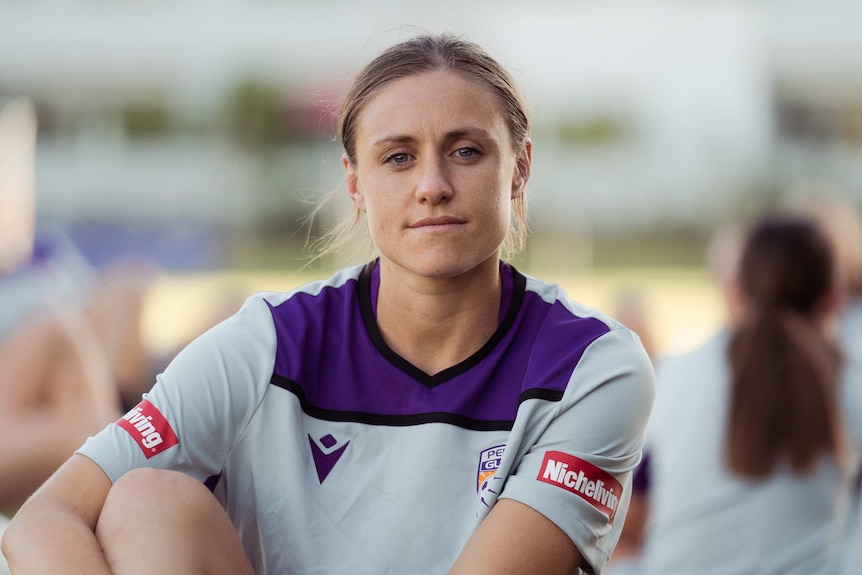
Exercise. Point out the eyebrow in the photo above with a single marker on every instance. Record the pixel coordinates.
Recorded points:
(450, 135)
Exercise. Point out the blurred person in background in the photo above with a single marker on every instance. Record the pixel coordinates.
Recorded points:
(750, 457)
(839, 219)
(433, 407)
(722, 258)
(71, 352)
(631, 309)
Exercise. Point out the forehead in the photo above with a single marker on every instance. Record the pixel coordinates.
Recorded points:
(431, 102)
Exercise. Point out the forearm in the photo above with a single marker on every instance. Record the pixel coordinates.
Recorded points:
(54, 531)
(45, 541)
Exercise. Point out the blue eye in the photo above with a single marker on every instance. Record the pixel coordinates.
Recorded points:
(397, 159)
(466, 153)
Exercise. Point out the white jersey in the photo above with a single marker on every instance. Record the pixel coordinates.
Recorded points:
(851, 341)
(703, 520)
(332, 454)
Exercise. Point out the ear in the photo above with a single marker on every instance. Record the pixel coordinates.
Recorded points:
(734, 300)
(523, 165)
(829, 310)
(832, 303)
(354, 189)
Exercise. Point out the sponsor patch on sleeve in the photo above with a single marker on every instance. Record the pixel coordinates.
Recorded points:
(592, 484)
(149, 428)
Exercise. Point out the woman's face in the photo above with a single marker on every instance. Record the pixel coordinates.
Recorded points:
(435, 173)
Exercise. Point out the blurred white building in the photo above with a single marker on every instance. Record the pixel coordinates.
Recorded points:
(647, 114)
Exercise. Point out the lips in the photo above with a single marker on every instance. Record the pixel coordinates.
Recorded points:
(437, 221)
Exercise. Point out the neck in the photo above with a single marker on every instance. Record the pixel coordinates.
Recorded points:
(435, 323)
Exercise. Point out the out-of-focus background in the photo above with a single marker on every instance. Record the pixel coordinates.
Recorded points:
(199, 133)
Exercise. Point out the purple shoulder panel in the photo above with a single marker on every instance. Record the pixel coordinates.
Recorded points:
(331, 355)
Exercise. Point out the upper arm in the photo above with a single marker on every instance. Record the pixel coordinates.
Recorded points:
(199, 405)
(513, 539)
(578, 454)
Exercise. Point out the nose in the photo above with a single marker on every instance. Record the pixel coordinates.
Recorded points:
(434, 185)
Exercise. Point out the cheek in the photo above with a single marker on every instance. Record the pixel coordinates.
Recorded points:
(382, 196)
(502, 204)
(496, 214)
(378, 214)
(504, 214)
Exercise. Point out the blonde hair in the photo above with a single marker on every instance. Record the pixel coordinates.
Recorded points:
(416, 56)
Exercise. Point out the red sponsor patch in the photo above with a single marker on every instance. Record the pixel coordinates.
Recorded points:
(592, 484)
(149, 428)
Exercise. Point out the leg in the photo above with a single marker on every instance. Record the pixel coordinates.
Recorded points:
(115, 308)
(55, 391)
(157, 521)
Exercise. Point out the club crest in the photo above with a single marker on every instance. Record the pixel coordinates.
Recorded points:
(489, 462)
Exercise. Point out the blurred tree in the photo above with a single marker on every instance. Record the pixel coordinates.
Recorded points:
(593, 131)
(146, 118)
(255, 113)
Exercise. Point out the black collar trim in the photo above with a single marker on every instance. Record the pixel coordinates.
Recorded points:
(364, 294)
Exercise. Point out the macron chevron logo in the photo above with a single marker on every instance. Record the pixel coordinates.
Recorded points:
(325, 454)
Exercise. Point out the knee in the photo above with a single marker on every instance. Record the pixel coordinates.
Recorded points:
(146, 502)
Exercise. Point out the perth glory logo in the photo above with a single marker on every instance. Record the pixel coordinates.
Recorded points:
(488, 484)
(489, 462)
(149, 428)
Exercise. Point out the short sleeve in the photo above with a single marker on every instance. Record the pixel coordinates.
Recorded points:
(200, 405)
(577, 472)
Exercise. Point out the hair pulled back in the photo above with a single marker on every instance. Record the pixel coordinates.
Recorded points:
(420, 55)
(784, 368)
(425, 54)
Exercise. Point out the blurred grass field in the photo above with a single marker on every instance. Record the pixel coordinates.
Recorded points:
(681, 306)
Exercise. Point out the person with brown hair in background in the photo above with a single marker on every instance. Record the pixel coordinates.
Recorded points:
(631, 307)
(73, 356)
(839, 219)
(71, 345)
(56, 385)
(749, 450)
(722, 258)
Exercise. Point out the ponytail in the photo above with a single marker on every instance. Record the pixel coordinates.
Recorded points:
(783, 396)
(784, 369)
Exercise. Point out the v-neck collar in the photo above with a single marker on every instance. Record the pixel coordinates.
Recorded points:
(513, 289)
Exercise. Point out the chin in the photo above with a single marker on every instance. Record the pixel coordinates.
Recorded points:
(451, 260)
(450, 267)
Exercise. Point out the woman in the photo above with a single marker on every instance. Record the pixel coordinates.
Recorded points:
(58, 384)
(747, 442)
(71, 345)
(433, 408)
